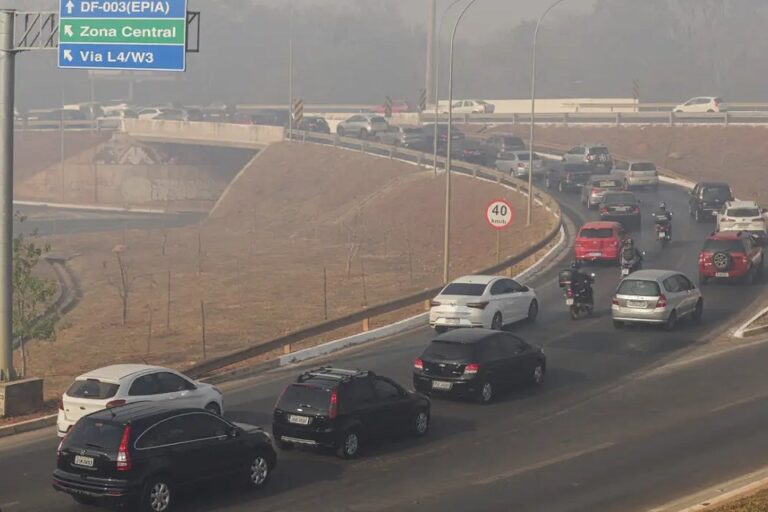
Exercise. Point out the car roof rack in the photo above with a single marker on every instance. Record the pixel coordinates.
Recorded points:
(329, 372)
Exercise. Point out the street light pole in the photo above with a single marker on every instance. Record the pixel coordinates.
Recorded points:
(7, 79)
(290, 75)
(437, 79)
(533, 111)
(447, 240)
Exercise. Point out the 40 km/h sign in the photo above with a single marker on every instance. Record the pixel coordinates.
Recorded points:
(499, 214)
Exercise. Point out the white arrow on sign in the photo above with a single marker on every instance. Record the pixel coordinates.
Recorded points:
(70, 6)
(68, 30)
(68, 55)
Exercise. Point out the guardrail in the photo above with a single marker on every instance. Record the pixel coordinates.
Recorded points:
(85, 125)
(611, 118)
(285, 342)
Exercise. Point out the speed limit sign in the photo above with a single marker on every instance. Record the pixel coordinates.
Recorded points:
(499, 214)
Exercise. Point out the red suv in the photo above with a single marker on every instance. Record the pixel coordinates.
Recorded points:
(731, 254)
(598, 241)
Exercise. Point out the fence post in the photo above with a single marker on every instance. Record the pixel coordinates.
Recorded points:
(671, 119)
(366, 324)
(514, 119)
(618, 118)
(565, 119)
(725, 119)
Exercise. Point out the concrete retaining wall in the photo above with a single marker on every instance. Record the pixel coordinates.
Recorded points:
(216, 134)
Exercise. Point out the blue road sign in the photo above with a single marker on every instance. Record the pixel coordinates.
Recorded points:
(123, 34)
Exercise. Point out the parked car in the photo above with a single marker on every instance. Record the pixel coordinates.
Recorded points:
(470, 151)
(637, 174)
(314, 124)
(151, 112)
(656, 297)
(178, 114)
(731, 255)
(345, 409)
(621, 207)
(482, 301)
(398, 107)
(596, 186)
(495, 145)
(457, 136)
(744, 216)
(517, 164)
(142, 456)
(363, 126)
(476, 363)
(595, 156)
(403, 136)
(120, 384)
(703, 104)
(598, 241)
(707, 198)
(470, 107)
(566, 177)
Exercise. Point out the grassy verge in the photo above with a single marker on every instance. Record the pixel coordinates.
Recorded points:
(754, 503)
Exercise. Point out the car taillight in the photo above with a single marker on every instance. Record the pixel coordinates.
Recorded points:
(615, 300)
(333, 410)
(471, 369)
(604, 209)
(637, 209)
(418, 364)
(569, 292)
(115, 403)
(123, 456)
(662, 302)
(477, 305)
(595, 191)
(434, 303)
(61, 444)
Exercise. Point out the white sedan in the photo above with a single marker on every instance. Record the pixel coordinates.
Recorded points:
(116, 385)
(470, 107)
(482, 301)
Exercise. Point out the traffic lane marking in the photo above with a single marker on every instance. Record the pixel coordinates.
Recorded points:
(743, 401)
(4, 506)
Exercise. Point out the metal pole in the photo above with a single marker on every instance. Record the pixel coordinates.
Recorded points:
(7, 83)
(431, 19)
(533, 113)
(437, 79)
(447, 239)
(290, 75)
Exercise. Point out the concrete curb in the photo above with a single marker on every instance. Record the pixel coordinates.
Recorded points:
(27, 426)
(64, 206)
(745, 331)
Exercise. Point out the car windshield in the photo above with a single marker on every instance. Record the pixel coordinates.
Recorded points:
(742, 212)
(639, 288)
(731, 245)
(471, 289)
(619, 199)
(95, 433)
(92, 388)
(713, 193)
(596, 233)
(305, 396)
(449, 350)
(643, 166)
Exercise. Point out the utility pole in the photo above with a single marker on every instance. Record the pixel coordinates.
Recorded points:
(290, 75)
(7, 81)
(431, 21)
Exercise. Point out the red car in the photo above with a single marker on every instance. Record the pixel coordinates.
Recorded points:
(598, 241)
(398, 107)
(731, 254)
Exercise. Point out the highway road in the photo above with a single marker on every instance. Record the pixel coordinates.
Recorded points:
(620, 424)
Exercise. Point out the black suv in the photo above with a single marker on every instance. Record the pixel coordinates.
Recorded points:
(707, 198)
(567, 177)
(140, 455)
(494, 145)
(342, 409)
(474, 363)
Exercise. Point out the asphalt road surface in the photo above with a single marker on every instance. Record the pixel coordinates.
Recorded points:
(619, 425)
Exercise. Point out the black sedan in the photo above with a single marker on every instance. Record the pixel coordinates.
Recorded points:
(621, 207)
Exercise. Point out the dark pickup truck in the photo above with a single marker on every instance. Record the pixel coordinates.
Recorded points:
(567, 177)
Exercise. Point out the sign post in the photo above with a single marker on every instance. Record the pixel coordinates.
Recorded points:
(499, 214)
(123, 34)
(297, 112)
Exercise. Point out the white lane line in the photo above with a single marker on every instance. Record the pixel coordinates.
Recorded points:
(4, 506)
(539, 465)
(736, 403)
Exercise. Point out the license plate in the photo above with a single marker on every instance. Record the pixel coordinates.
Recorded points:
(625, 271)
(569, 302)
(595, 254)
(636, 304)
(439, 384)
(662, 235)
(82, 460)
(722, 274)
(298, 420)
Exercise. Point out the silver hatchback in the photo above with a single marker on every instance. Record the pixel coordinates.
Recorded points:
(362, 125)
(656, 297)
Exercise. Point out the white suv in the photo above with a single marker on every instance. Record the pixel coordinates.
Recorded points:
(702, 104)
(120, 384)
(742, 216)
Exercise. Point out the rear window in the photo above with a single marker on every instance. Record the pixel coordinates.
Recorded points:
(724, 245)
(305, 396)
(711, 193)
(95, 433)
(743, 212)
(596, 233)
(607, 183)
(598, 151)
(513, 141)
(619, 199)
(92, 388)
(643, 166)
(450, 351)
(472, 289)
(639, 288)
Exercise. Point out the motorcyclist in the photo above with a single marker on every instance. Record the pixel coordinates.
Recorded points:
(630, 254)
(664, 217)
(581, 281)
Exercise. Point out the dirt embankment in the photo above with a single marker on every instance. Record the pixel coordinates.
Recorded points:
(35, 151)
(736, 154)
(374, 225)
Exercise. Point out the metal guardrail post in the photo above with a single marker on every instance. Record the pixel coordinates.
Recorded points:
(725, 118)
(671, 119)
(565, 119)
(514, 119)
(618, 118)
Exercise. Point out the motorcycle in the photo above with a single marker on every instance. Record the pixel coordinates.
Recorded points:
(578, 299)
(663, 233)
(631, 265)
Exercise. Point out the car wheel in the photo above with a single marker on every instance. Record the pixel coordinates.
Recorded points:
(156, 496)
(485, 395)
(618, 324)
(350, 445)
(340, 131)
(671, 322)
(421, 423)
(259, 471)
(699, 311)
(538, 374)
(213, 408)
(533, 310)
(497, 323)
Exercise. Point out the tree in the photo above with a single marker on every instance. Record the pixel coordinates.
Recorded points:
(124, 282)
(32, 295)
